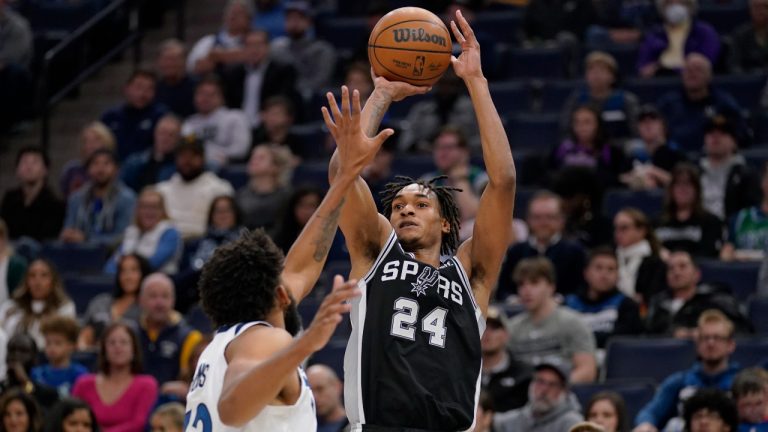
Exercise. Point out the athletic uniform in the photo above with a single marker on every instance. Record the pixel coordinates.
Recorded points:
(413, 360)
(203, 398)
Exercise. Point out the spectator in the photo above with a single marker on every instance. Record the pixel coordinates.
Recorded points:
(12, 266)
(559, 21)
(158, 163)
(641, 270)
(40, 295)
(748, 233)
(20, 413)
(134, 120)
(605, 309)
(379, 172)
(32, 209)
(710, 410)
(449, 105)
(608, 410)
(168, 417)
(728, 184)
(94, 136)
(165, 337)
(546, 222)
(224, 224)
(224, 131)
(152, 235)
(749, 47)
(277, 118)
(123, 398)
(175, 87)
(505, 378)
(16, 87)
(264, 196)
(61, 372)
(224, 49)
(714, 346)
(750, 392)
(22, 357)
(677, 310)
(189, 193)
(121, 304)
(546, 329)
(485, 412)
(618, 108)
(327, 389)
(260, 78)
(587, 146)
(358, 77)
(582, 195)
(71, 415)
(314, 59)
(100, 211)
(689, 107)
(177, 390)
(550, 408)
(653, 154)
(685, 225)
(301, 205)
(664, 48)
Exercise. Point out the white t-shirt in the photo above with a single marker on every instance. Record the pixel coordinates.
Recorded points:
(188, 202)
(226, 133)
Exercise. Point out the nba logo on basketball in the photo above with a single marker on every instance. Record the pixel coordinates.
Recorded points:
(418, 66)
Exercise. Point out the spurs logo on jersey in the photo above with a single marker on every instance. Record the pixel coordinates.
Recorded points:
(413, 359)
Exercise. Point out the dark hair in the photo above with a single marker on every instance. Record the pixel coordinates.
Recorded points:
(63, 409)
(532, 269)
(232, 203)
(142, 73)
(211, 80)
(601, 251)
(682, 171)
(641, 221)
(712, 400)
(601, 134)
(239, 282)
(281, 102)
(102, 152)
(289, 228)
(448, 207)
(33, 149)
(102, 364)
(61, 325)
(30, 405)
(617, 401)
(144, 267)
(23, 297)
(748, 381)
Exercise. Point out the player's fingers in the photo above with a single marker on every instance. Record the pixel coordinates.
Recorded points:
(466, 30)
(456, 33)
(333, 106)
(345, 102)
(328, 120)
(382, 136)
(356, 106)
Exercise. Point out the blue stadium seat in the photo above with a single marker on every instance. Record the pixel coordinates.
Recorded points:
(534, 63)
(522, 198)
(332, 356)
(88, 359)
(758, 314)
(756, 157)
(649, 202)
(636, 393)
(82, 289)
(346, 34)
(510, 97)
(741, 277)
(75, 258)
(746, 89)
(650, 358)
(312, 137)
(236, 175)
(196, 318)
(751, 351)
(724, 17)
(760, 127)
(552, 94)
(413, 166)
(312, 174)
(503, 26)
(649, 90)
(535, 132)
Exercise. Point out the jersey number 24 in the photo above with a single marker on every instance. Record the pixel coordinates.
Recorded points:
(406, 315)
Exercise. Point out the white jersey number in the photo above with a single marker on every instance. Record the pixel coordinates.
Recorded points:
(406, 315)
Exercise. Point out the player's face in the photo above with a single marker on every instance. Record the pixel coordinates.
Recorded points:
(604, 413)
(291, 317)
(602, 274)
(416, 218)
(534, 293)
(78, 421)
(705, 420)
(713, 342)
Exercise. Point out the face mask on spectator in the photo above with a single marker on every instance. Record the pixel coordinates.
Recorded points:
(676, 13)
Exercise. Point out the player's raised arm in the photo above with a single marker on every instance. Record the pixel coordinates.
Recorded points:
(355, 150)
(365, 230)
(482, 254)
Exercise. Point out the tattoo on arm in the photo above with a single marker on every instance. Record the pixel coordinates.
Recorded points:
(327, 233)
(377, 114)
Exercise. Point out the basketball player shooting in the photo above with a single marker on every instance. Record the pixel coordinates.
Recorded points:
(413, 359)
(248, 378)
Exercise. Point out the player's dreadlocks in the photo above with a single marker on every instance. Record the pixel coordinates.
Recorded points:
(448, 207)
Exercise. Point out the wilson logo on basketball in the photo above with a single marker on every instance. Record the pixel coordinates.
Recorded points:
(417, 35)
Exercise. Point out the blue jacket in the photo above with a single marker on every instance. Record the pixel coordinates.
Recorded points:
(680, 386)
(103, 221)
(139, 170)
(133, 128)
(756, 427)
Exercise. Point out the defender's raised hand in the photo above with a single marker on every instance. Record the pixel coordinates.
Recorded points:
(467, 65)
(355, 148)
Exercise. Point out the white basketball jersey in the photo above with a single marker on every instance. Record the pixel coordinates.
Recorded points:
(202, 414)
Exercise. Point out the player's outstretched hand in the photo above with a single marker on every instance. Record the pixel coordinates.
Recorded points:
(467, 65)
(329, 315)
(356, 149)
(396, 90)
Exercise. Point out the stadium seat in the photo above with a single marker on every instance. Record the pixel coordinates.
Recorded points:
(82, 289)
(86, 358)
(534, 132)
(522, 198)
(311, 174)
(503, 26)
(196, 318)
(649, 202)
(650, 358)
(760, 127)
(236, 175)
(740, 276)
(75, 258)
(510, 97)
(625, 56)
(649, 90)
(312, 137)
(332, 356)
(756, 157)
(751, 351)
(758, 314)
(746, 89)
(552, 94)
(534, 63)
(724, 17)
(346, 34)
(636, 393)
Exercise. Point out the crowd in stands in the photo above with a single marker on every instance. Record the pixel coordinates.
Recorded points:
(641, 176)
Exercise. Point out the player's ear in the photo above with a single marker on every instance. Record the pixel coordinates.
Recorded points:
(445, 226)
(282, 298)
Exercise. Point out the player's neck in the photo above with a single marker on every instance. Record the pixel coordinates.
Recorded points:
(428, 256)
(276, 317)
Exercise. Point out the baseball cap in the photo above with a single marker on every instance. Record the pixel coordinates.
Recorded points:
(560, 367)
(497, 316)
(648, 111)
(190, 143)
(722, 123)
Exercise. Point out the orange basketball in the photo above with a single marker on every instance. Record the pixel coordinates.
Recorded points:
(410, 44)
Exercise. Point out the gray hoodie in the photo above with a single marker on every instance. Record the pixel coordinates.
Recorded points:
(560, 419)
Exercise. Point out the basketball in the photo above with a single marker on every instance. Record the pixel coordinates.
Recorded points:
(410, 44)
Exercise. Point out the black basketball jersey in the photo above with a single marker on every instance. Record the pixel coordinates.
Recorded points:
(413, 359)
